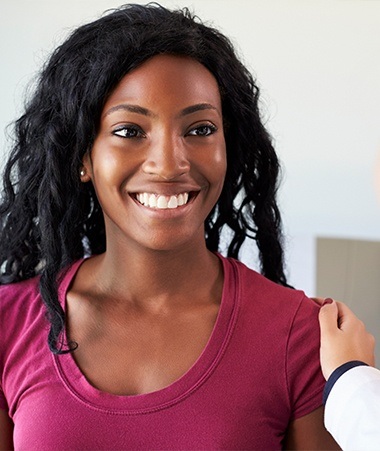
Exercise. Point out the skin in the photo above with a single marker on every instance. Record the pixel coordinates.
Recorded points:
(343, 337)
(6, 432)
(139, 319)
(308, 433)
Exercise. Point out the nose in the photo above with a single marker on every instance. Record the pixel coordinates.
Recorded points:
(167, 158)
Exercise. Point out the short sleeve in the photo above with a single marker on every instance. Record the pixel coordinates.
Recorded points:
(304, 376)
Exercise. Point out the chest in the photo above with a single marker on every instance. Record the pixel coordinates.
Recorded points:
(215, 410)
(200, 421)
(141, 353)
(226, 401)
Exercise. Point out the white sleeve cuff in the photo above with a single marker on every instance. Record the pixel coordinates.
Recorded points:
(352, 411)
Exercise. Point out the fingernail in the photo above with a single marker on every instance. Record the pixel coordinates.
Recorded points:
(327, 301)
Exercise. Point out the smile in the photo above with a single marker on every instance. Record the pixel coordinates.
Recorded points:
(160, 201)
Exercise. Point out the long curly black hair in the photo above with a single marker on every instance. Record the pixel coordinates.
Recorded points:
(48, 218)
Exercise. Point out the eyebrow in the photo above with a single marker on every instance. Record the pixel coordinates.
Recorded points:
(198, 107)
(145, 112)
(131, 108)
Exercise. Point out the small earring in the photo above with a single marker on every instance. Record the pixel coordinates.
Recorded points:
(82, 172)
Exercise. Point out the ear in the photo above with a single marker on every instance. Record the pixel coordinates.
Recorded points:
(86, 169)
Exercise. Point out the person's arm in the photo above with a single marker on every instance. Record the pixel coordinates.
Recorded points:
(352, 411)
(344, 337)
(308, 432)
(352, 392)
(6, 431)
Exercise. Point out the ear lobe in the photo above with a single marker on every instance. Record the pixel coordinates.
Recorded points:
(84, 177)
(85, 169)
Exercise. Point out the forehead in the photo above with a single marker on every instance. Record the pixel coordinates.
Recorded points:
(167, 79)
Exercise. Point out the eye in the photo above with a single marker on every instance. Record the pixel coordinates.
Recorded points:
(202, 130)
(129, 131)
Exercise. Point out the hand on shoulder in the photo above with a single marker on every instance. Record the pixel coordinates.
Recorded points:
(343, 337)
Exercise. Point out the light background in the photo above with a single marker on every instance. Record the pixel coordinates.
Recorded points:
(318, 65)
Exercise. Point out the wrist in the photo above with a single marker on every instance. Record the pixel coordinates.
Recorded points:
(337, 373)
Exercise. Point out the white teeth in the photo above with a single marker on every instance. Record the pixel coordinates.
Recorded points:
(173, 203)
(152, 202)
(181, 200)
(162, 202)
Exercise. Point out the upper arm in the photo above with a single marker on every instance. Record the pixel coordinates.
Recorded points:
(6, 431)
(309, 432)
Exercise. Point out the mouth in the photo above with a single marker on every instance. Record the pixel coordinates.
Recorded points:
(162, 202)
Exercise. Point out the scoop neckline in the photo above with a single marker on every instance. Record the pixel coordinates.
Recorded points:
(79, 387)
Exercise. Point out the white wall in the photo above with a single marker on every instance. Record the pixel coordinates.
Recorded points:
(318, 64)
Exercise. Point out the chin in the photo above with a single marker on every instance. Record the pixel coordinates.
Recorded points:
(171, 242)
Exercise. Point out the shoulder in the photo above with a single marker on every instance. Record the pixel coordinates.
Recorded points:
(266, 297)
(22, 307)
(14, 295)
(282, 317)
(26, 293)
(19, 303)
(22, 314)
(282, 325)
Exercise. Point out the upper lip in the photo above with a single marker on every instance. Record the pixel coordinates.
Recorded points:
(166, 190)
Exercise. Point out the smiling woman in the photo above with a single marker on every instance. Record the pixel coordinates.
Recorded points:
(142, 144)
(160, 142)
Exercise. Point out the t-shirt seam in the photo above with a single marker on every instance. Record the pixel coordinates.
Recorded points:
(287, 355)
(305, 400)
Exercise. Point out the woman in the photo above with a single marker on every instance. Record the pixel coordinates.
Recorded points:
(142, 143)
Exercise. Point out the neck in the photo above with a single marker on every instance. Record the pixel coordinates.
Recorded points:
(153, 277)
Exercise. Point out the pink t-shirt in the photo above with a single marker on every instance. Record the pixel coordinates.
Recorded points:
(259, 370)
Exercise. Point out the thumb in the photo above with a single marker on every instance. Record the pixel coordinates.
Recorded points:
(328, 317)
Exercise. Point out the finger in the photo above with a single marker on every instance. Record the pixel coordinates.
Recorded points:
(318, 301)
(346, 317)
(328, 318)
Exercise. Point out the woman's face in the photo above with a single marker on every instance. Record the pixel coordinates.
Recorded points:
(159, 160)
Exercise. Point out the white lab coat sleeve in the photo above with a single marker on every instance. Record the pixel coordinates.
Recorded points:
(352, 410)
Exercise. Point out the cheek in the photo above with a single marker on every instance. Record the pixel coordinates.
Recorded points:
(219, 166)
(108, 166)
(107, 170)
